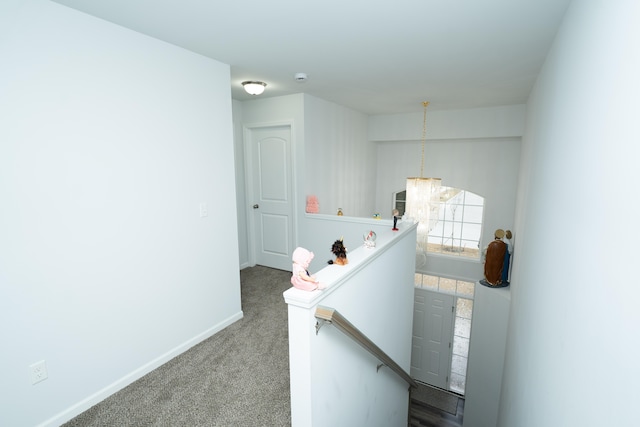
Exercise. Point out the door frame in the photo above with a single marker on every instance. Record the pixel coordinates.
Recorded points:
(249, 191)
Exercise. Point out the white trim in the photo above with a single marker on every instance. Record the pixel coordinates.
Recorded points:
(248, 182)
(130, 378)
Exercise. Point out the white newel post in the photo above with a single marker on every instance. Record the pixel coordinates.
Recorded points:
(334, 381)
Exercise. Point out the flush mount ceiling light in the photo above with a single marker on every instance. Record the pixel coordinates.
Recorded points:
(254, 88)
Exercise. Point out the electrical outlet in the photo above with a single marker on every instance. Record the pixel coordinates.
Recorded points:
(38, 372)
(203, 210)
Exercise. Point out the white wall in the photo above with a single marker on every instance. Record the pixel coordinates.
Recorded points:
(491, 122)
(340, 163)
(283, 110)
(335, 159)
(332, 158)
(334, 382)
(323, 230)
(241, 200)
(572, 351)
(486, 355)
(110, 141)
(485, 162)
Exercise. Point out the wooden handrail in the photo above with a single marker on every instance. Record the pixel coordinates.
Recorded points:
(330, 315)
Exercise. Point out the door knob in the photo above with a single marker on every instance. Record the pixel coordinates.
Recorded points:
(256, 206)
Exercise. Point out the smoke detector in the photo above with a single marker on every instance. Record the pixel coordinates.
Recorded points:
(300, 77)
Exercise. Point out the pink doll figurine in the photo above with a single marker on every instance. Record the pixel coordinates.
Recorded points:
(300, 277)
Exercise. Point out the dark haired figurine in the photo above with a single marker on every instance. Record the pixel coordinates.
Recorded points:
(396, 214)
(340, 252)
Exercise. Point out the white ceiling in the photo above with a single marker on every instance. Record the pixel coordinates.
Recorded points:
(374, 56)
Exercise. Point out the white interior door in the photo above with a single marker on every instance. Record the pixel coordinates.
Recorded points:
(432, 336)
(271, 196)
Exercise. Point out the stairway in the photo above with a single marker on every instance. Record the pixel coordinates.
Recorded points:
(422, 414)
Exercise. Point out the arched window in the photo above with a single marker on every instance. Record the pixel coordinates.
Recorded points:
(459, 225)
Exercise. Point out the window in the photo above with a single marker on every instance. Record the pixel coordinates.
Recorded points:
(460, 353)
(459, 224)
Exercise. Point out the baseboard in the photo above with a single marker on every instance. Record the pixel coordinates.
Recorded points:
(118, 385)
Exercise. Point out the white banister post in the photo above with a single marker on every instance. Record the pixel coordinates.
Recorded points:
(301, 330)
(334, 381)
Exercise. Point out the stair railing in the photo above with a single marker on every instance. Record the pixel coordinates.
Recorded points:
(331, 316)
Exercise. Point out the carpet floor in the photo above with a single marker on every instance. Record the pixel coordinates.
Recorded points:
(238, 377)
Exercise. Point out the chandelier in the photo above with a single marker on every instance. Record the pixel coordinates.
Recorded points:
(423, 195)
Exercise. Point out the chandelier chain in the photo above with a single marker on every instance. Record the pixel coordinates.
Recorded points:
(424, 136)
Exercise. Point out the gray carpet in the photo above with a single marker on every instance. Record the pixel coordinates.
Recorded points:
(238, 377)
(435, 397)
